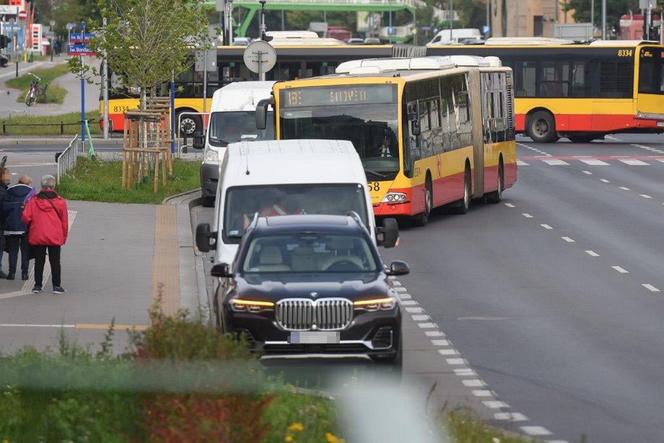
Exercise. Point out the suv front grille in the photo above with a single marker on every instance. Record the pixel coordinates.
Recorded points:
(326, 314)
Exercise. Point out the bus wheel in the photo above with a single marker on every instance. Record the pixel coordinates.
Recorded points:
(189, 124)
(464, 204)
(541, 127)
(423, 218)
(497, 195)
(582, 138)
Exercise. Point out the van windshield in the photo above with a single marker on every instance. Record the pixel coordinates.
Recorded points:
(232, 126)
(242, 203)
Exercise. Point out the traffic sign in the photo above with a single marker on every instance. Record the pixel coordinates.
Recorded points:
(260, 57)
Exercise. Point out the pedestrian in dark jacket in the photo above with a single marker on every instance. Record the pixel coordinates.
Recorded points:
(15, 230)
(48, 225)
(5, 180)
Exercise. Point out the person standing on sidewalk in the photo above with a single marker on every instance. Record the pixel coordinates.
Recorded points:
(15, 230)
(5, 180)
(48, 225)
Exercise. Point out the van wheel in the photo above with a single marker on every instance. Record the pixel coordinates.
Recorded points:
(423, 218)
(464, 204)
(541, 127)
(497, 195)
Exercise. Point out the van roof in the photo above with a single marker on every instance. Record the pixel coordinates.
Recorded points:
(240, 96)
(292, 162)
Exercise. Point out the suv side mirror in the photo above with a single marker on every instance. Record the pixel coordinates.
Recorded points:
(387, 235)
(222, 270)
(205, 240)
(199, 141)
(261, 112)
(398, 267)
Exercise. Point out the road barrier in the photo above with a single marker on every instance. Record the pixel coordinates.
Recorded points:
(66, 160)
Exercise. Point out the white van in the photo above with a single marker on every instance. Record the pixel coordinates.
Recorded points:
(232, 118)
(448, 37)
(272, 178)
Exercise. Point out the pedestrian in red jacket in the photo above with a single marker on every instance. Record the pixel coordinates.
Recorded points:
(46, 217)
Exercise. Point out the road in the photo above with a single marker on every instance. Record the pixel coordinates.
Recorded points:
(555, 296)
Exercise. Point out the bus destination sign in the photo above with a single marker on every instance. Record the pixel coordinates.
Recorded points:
(338, 95)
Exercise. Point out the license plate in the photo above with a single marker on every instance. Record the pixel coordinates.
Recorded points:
(314, 338)
(660, 124)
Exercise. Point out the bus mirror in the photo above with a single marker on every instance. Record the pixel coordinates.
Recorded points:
(199, 141)
(261, 112)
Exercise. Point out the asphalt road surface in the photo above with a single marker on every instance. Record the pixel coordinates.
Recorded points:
(556, 296)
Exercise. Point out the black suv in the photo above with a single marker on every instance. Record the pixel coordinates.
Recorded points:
(312, 284)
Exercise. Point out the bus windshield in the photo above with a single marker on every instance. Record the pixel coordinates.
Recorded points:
(230, 127)
(365, 115)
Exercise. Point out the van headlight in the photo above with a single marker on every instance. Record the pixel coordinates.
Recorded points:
(211, 156)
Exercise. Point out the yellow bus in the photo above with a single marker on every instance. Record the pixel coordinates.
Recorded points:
(582, 91)
(429, 130)
(297, 57)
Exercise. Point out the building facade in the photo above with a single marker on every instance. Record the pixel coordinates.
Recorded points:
(526, 18)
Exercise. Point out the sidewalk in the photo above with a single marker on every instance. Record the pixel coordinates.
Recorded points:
(116, 260)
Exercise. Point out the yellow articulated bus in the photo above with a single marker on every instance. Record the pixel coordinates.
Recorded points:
(582, 91)
(429, 130)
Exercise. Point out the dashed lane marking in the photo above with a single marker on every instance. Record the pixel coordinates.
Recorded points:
(448, 351)
(473, 383)
(592, 253)
(509, 205)
(587, 172)
(539, 151)
(427, 325)
(648, 148)
(645, 196)
(408, 302)
(414, 309)
(624, 188)
(555, 162)
(525, 214)
(434, 334)
(495, 404)
(650, 287)
(510, 416)
(456, 361)
(594, 162)
(568, 239)
(535, 430)
(405, 296)
(465, 372)
(633, 162)
(620, 269)
(603, 180)
(521, 163)
(440, 342)
(482, 393)
(547, 227)
(420, 317)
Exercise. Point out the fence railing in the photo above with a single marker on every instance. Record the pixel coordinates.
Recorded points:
(55, 128)
(67, 159)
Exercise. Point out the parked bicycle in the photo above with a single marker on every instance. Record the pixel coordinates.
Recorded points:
(36, 90)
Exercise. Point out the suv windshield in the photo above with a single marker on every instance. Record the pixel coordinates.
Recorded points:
(230, 127)
(309, 252)
(242, 203)
(365, 115)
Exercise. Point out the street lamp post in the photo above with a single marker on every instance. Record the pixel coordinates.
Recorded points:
(603, 19)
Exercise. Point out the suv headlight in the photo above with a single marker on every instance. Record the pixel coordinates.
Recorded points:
(375, 304)
(253, 306)
(395, 197)
(211, 156)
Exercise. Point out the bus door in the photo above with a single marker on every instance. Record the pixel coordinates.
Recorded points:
(650, 96)
(475, 99)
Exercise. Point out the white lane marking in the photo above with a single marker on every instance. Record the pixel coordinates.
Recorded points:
(650, 287)
(620, 269)
(547, 227)
(434, 334)
(648, 148)
(633, 162)
(534, 149)
(509, 205)
(624, 188)
(612, 138)
(661, 160)
(448, 351)
(587, 172)
(522, 163)
(456, 361)
(525, 214)
(400, 289)
(568, 240)
(603, 180)
(495, 404)
(592, 253)
(440, 342)
(427, 325)
(645, 196)
(396, 283)
(594, 162)
(482, 393)
(535, 430)
(408, 302)
(405, 296)
(464, 372)
(511, 416)
(555, 162)
(414, 309)
(420, 317)
(473, 383)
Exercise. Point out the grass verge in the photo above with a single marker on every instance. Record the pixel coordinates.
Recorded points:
(35, 125)
(465, 427)
(54, 94)
(96, 180)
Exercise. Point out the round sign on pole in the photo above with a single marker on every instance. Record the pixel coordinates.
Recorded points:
(260, 57)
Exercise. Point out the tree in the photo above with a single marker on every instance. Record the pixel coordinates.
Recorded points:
(614, 9)
(146, 40)
(472, 12)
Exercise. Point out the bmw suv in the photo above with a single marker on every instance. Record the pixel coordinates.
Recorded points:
(311, 284)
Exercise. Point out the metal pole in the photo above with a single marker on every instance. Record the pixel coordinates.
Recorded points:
(172, 104)
(592, 17)
(603, 19)
(488, 18)
(82, 105)
(205, 81)
(229, 24)
(283, 20)
(105, 88)
(449, 17)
